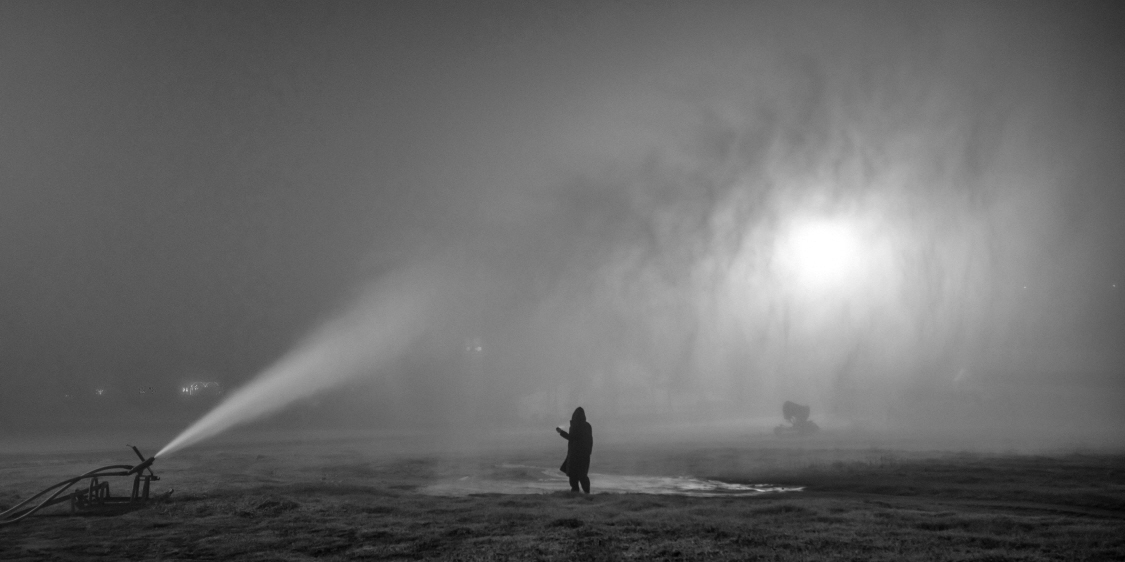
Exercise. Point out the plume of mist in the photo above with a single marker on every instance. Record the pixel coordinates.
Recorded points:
(653, 269)
(681, 295)
(369, 335)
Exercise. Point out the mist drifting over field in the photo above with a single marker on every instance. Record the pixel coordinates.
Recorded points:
(413, 215)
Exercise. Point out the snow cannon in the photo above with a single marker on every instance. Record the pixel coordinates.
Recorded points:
(798, 418)
(95, 497)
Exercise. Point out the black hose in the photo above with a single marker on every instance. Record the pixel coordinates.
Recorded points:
(15, 514)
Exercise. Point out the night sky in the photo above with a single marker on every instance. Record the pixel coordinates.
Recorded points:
(613, 200)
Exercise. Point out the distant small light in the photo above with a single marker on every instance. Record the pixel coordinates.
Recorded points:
(1025, 286)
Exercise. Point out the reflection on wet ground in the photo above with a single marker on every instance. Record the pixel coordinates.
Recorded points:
(523, 479)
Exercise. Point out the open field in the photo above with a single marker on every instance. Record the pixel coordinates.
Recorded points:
(339, 500)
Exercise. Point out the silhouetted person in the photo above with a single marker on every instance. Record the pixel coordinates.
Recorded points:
(580, 442)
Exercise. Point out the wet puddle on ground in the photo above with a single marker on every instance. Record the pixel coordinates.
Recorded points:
(522, 479)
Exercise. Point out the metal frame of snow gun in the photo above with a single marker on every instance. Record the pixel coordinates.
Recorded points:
(94, 498)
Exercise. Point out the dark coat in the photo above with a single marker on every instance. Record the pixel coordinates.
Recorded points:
(580, 442)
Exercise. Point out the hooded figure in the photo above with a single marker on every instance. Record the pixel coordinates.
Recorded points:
(580, 444)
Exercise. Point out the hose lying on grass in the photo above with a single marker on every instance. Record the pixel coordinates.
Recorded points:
(96, 497)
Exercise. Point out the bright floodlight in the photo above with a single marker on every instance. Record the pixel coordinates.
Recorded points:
(822, 253)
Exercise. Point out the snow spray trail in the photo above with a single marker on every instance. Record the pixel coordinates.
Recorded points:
(378, 328)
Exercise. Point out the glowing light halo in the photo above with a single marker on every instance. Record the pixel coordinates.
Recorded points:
(822, 254)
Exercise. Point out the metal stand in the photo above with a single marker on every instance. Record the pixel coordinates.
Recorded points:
(96, 497)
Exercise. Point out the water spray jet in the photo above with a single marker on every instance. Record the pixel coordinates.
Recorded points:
(379, 327)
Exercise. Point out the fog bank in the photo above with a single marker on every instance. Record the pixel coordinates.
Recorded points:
(906, 216)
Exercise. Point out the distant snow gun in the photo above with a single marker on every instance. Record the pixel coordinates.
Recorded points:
(95, 497)
(798, 418)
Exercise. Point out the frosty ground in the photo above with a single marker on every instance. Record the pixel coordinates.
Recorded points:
(357, 498)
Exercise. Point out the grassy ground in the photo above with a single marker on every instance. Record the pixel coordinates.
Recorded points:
(340, 503)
